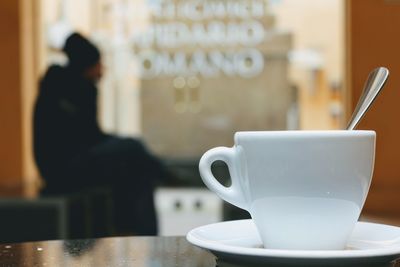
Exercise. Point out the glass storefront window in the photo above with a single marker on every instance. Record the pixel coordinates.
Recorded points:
(186, 74)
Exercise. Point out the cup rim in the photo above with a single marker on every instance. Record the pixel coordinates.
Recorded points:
(308, 133)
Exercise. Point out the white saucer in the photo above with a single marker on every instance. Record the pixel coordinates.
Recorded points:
(238, 242)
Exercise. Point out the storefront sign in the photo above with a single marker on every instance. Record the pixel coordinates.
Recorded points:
(220, 37)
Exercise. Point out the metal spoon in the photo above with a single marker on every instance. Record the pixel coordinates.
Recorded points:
(375, 82)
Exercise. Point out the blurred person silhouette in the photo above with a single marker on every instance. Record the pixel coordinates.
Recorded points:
(72, 152)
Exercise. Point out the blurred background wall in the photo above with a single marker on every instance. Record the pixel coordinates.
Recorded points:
(373, 39)
(19, 75)
(333, 46)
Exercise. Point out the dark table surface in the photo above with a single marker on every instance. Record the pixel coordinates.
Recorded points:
(114, 251)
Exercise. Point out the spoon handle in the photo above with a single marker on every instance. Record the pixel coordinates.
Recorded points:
(375, 82)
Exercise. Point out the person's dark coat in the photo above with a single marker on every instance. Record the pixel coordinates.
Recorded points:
(73, 154)
(65, 119)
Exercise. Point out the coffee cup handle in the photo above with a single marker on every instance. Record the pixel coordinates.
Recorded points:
(232, 194)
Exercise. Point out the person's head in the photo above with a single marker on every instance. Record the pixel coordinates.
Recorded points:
(84, 57)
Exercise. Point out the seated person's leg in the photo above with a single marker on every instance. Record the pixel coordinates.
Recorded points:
(130, 172)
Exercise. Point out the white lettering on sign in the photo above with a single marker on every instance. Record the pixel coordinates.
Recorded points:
(215, 33)
(229, 30)
(245, 63)
(206, 9)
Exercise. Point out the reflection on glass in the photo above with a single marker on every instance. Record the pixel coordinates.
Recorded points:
(180, 94)
(194, 95)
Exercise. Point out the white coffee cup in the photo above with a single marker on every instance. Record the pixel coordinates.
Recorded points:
(304, 189)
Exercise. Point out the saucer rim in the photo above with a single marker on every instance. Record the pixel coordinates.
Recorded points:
(216, 246)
